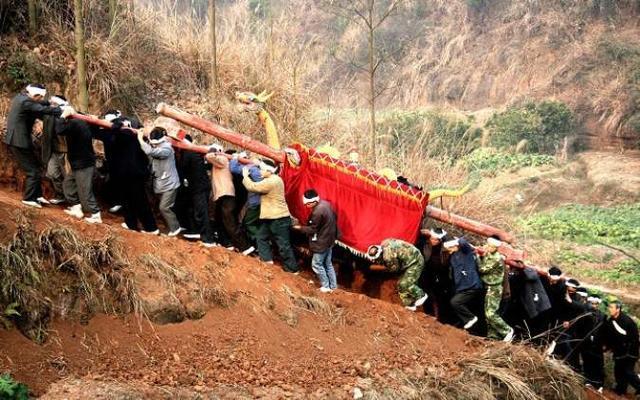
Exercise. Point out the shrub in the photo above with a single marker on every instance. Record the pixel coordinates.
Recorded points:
(23, 68)
(12, 390)
(542, 125)
(489, 161)
(431, 133)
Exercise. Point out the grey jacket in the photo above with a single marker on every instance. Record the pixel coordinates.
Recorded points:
(163, 165)
(22, 115)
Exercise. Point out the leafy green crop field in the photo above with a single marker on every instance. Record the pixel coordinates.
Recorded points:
(616, 226)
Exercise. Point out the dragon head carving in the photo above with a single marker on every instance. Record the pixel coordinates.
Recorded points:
(251, 102)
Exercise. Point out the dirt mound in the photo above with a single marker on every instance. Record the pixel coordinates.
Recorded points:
(269, 329)
(259, 333)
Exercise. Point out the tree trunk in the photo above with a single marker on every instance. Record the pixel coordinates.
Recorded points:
(372, 88)
(32, 17)
(81, 69)
(213, 86)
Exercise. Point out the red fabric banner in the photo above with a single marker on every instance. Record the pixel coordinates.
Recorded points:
(369, 207)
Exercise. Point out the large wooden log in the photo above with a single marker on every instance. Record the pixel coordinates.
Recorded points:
(240, 140)
(479, 228)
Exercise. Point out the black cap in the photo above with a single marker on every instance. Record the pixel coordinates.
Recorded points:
(555, 271)
(157, 133)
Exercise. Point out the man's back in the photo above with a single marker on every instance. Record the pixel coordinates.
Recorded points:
(22, 115)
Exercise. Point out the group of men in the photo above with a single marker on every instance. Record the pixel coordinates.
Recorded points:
(245, 200)
(459, 284)
(474, 289)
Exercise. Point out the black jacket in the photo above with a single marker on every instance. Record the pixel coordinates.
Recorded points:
(322, 227)
(128, 159)
(621, 336)
(592, 330)
(191, 166)
(557, 293)
(21, 117)
(533, 296)
(79, 142)
(51, 142)
(436, 274)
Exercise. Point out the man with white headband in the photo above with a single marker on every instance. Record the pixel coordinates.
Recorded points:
(395, 255)
(621, 337)
(230, 233)
(435, 279)
(322, 230)
(164, 174)
(275, 219)
(492, 271)
(113, 189)
(25, 108)
(469, 290)
(54, 156)
(591, 348)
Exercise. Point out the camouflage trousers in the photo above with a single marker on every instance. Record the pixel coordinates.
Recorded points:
(408, 288)
(497, 328)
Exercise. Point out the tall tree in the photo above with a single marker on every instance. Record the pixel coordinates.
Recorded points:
(81, 65)
(33, 10)
(214, 48)
(371, 15)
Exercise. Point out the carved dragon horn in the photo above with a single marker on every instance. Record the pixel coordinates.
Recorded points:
(263, 96)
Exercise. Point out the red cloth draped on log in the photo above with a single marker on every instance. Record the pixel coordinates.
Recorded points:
(369, 207)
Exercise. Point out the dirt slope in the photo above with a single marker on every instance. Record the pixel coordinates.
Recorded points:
(276, 336)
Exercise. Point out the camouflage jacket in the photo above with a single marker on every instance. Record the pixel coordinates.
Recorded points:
(491, 269)
(399, 255)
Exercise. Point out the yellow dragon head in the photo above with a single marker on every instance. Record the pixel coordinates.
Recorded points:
(251, 102)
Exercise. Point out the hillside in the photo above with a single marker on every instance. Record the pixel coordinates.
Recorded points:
(464, 54)
(229, 326)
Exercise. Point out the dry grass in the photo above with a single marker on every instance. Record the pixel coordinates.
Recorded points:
(316, 306)
(41, 268)
(502, 372)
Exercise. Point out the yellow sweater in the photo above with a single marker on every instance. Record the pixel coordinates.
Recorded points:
(272, 202)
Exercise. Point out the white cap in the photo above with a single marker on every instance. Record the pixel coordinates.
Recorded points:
(216, 148)
(111, 116)
(267, 167)
(36, 91)
(451, 243)
(60, 102)
(436, 235)
(592, 299)
(311, 200)
(494, 242)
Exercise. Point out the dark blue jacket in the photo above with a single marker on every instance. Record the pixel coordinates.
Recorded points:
(464, 268)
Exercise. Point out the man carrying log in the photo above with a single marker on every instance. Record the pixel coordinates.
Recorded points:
(322, 230)
(275, 219)
(399, 256)
(469, 290)
(492, 272)
(164, 173)
(25, 108)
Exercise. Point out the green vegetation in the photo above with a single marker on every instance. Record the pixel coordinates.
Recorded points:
(542, 125)
(12, 390)
(626, 271)
(617, 226)
(433, 133)
(490, 161)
